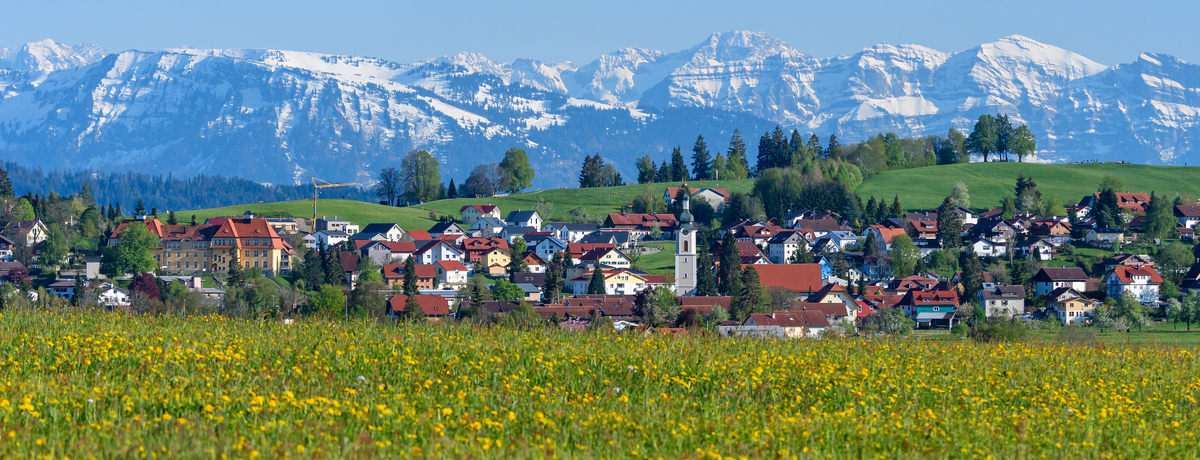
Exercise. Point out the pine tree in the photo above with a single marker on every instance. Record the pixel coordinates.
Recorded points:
(451, 191)
(949, 225)
(780, 155)
(154, 212)
(750, 299)
(171, 220)
(796, 148)
(871, 211)
(140, 208)
(802, 254)
(871, 245)
(80, 290)
(554, 278)
(516, 255)
(193, 219)
(236, 277)
(814, 144)
(706, 283)
(765, 160)
(6, 187)
(679, 170)
(736, 164)
(701, 160)
(410, 275)
(1009, 209)
(663, 174)
(336, 275)
(119, 213)
(1004, 135)
(731, 262)
(896, 212)
(596, 283)
(834, 146)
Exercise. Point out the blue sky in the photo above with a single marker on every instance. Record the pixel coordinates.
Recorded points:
(1109, 32)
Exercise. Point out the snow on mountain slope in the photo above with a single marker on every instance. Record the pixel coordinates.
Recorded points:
(278, 116)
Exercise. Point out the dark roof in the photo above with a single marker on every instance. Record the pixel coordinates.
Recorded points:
(1049, 274)
(791, 319)
(441, 227)
(519, 216)
(536, 279)
(1187, 211)
(379, 228)
(1004, 292)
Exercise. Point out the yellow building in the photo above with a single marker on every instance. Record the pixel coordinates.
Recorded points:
(496, 261)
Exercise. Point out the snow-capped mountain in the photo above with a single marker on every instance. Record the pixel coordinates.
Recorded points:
(280, 116)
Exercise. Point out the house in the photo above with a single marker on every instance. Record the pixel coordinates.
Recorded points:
(545, 245)
(1134, 202)
(780, 324)
(1128, 260)
(1069, 305)
(390, 232)
(112, 297)
(429, 252)
(569, 232)
(642, 224)
(834, 312)
(329, 238)
(524, 219)
(843, 239)
(511, 233)
(1142, 282)
(995, 230)
(820, 227)
(434, 306)
(451, 274)
(427, 277)
(533, 262)
(335, 224)
(746, 250)
(901, 286)
(1007, 301)
(987, 248)
(475, 248)
(577, 250)
(606, 258)
(966, 216)
(33, 231)
(1104, 237)
(472, 213)
(833, 293)
(1188, 215)
(364, 236)
(760, 235)
(618, 282)
(6, 248)
(6, 268)
(704, 304)
(718, 198)
(260, 246)
(496, 261)
(922, 229)
(535, 279)
(1049, 279)
(1056, 231)
(387, 252)
(934, 309)
(803, 279)
(622, 239)
(783, 246)
(487, 227)
(1042, 247)
(446, 228)
(884, 236)
(63, 288)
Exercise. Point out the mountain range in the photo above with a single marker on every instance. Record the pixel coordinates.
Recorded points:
(281, 116)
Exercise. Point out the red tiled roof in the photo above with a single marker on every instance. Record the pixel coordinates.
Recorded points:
(724, 192)
(579, 249)
(1184, 210)
(432, 305)
(930, 298)
(641, 220)
(448, 265)
(795, 277)
(419, 235)
(1126, 274)
(397, 271)
(820, 225)
(888, 233)
(482, 208)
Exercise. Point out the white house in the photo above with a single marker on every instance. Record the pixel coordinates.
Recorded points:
(782, 246)
(545, 246)
(984, 247)
(1049, 279)
(1142, 282)
(488, 227)
(1069, 305)
(1188, 215)
(327, 238)
(566, 231)
(112, 296)
(843, 239)
(434, 251)
(446, 228)
(390, 232)
(1104, 236)
(524, 219)
(451, 274)
(1003, 301)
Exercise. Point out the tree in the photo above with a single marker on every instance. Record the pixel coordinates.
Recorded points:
(366, 300)
(595, 173)
(79, 291)
(389, 185)
(1023, 143)
(959, 196)
(420, 175)
(657, 307)
(1009, 209)
(891, 321)
(1054, 207)
(193, 219)
(145, 283)
(6, 187)
(1160, 217)
(502, 289)
(949, 224)
(701, 160)
(410, 275)
(802, 255)
(171, 220)
(706, 282)
(750, 298)
(1190, 310)
(413, 313)
(1106, 210)
(663, 174)
(904, 256)
(1004, 133)
(737, 164)
(516, 255)
(871, 247)
(335, 273)
(140, 209)
(972, 274)
(765, 154)
(596, 284)
(719, 169)
(1029, 199)
(1111, 182)
(235, 274)
(679, 170)
(731, 262)
(476, 291)
(1128, 308)
(554, 278)
(516, 165)
(544, 208)
(133, 254)
(1173, 259)
(328, 303)
(834, 147)
(486, 180)
(23, 211)
(896, 211)
(648, 202)
(982, 140)
(646, 170)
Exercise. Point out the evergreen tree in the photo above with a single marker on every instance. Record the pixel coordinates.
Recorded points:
(313, 272)
(646, 170)
(780, 154)
(154, 212)
(410, 275)
(596, 283)
(896, 211)
(516, 255)
(871, 245)
(701, 160)
(731, 262)
(679, 171)
(834, 146)
(554, 278)
(949, 225)
(737, 164)
(972, 274)
(872, 211)
(80, 290)
(171, 220)
(336, 275)
(1009, 209)
(796, 148)
(451, 191)
(663, 174)
(139, 209)
(6, 187)
(236, 277)
(706, 283)
(814, 145)
(764, 160)
(750, 299)
(412, 310)
(1004, 135)
(1160, 218)
(802, 254)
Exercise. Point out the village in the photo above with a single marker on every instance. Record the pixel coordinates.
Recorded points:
(809, 275)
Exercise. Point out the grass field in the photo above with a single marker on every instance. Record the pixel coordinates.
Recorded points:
(661, 262)
(596, 202)
(989, 183)
(117, 386)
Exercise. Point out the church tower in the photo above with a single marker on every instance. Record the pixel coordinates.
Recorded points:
(685, 252)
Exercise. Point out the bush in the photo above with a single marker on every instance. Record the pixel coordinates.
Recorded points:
(1001, 331)
(960, 329)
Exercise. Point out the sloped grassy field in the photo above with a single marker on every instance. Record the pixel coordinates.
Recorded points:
(83, 385)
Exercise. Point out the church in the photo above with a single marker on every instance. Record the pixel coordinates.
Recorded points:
(685, 252)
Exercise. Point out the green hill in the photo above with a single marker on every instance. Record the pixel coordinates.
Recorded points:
(989, 183)
(595, 201)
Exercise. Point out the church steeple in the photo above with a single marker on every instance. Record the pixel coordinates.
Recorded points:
(685, 250)
(686, 215)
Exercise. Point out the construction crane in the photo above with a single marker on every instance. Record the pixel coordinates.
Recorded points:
(323, 184)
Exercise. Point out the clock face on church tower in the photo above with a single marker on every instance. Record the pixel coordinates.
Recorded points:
(686, 231)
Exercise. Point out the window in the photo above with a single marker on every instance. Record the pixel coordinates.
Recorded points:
(247, 253)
